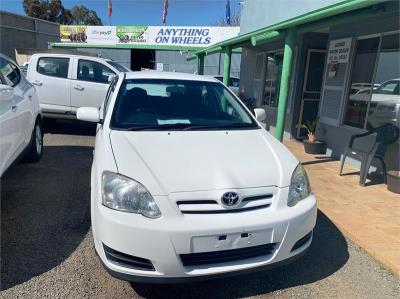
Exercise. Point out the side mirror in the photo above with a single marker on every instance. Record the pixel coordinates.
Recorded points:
(260, 114)
(88, 114)
(6, 92)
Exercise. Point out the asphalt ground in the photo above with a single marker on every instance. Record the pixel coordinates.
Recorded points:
(47, 247)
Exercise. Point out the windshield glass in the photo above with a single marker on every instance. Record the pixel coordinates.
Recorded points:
(156, 104)
(118, 66)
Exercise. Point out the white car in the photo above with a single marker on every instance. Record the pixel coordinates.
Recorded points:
(66, 82)
(186, 184)
(20, 118)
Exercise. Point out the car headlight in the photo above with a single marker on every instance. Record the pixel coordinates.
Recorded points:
(299, 186)
(126, 195)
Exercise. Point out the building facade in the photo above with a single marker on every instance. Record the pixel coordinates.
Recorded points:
(23, 32)
(345, 74)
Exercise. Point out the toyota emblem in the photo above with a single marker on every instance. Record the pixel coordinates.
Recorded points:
(230, 199)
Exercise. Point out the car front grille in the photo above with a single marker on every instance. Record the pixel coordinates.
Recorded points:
(126, 260)
(214, 207)
(223, 256)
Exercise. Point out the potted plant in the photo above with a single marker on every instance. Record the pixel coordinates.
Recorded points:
(312, 145)
(393, 181)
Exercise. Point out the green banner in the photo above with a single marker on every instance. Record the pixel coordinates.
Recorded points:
(132, 34)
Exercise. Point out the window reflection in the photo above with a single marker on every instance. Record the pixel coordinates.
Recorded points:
(272, 79)
(385, 100)
(374, 97)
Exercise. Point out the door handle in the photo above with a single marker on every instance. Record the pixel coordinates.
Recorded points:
(14, 108)
(78, 87)
(30, 98)
(37, 83)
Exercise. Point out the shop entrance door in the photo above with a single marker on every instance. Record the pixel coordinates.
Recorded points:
(142, 59)
(311, 95)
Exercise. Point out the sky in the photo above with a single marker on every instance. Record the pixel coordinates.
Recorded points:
(146, 12)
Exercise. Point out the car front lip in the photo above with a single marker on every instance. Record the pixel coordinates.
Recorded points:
(162, 240)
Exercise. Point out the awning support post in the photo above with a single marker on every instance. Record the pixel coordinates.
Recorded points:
(290, 41)
(200, 64)
(227, 65)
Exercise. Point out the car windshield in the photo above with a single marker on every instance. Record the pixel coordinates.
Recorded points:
(118, 66)
(157, 104)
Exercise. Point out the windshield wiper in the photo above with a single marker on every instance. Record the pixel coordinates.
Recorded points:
(188, 127)
(178, 126)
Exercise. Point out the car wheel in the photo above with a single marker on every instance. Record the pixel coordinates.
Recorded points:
(35, 150)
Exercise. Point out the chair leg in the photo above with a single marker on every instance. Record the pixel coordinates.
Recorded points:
(365, 168)
(383, 169)
(342, 163)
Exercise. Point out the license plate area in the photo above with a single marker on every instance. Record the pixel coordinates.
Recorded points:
(231, 241)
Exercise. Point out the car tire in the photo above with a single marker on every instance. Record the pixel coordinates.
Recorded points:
(35, 148)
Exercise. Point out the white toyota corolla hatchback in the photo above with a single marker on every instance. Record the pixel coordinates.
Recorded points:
(187, 184)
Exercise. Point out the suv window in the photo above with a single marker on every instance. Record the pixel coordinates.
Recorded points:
(93, 71)
(53, 66)
(10, 72)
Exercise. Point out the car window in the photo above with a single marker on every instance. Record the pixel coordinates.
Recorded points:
(10, 72)
(161, 103)
(390, 87)
(53, 66)
(118, 66)
(93, 71)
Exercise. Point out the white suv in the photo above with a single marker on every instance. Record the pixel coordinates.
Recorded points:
(20, 118)
(66, 82)
(186, 184)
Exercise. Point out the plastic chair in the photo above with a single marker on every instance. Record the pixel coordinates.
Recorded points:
(370, 145)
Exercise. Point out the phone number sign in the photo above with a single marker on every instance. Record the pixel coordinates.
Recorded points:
(339, 50)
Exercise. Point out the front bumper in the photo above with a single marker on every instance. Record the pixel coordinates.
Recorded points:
(163, 240)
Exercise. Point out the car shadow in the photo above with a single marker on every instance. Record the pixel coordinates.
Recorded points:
(327, 254)
(69, 127)
(45, 212)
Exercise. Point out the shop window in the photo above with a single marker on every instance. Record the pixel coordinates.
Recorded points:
(374, 98)
(272, 79)
(361, 82)
(259, 61)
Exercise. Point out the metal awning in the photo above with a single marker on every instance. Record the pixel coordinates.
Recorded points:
(317, 19)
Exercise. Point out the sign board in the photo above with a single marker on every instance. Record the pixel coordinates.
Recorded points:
(339, 50)
(184, 36)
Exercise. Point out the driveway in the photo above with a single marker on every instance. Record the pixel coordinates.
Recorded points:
(47, 248)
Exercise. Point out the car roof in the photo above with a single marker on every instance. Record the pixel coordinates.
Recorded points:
(168, 75)
(220, 76)
(70, 56)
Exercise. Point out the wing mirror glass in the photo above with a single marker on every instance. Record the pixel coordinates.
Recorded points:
(6, 92)
(260, 114)
(90, 114)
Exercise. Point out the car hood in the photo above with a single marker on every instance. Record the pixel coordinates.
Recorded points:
(179, 161)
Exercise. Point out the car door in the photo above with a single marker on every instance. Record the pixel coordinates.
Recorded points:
(90, 85)
(52, 83)
(8, 126)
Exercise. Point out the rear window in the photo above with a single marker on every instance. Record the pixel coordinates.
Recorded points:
(53, 66)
